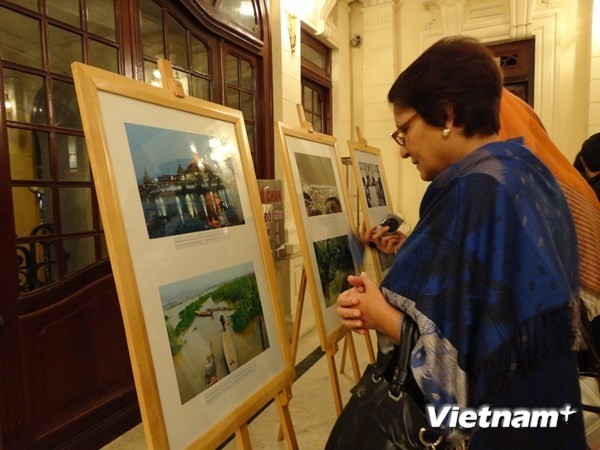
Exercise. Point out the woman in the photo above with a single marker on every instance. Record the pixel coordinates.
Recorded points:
(518, 119)
(490, 272)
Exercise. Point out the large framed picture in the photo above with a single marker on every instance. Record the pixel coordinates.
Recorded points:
(321, 210)
(192, 263)
(373, 194)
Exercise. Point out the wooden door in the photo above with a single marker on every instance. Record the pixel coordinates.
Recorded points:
(65, 376)
(517, 60)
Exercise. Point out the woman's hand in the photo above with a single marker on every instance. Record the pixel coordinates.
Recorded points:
(363, 307)
(386, 242)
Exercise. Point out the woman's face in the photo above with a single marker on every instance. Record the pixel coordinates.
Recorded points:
(423, 144)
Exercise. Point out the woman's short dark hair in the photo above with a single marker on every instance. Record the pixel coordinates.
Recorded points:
(457, 72)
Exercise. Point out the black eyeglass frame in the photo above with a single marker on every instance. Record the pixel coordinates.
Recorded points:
(399, 136)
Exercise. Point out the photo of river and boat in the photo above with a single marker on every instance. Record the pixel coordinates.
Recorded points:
(215, 325)
(186, 181)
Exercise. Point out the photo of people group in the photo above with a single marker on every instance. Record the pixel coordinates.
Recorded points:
(372, 184)
(186, 181)
(319, 187)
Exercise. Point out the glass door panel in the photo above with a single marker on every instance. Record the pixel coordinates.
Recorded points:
(16, 46)
(35, 209)
(29, 153)
(101, 18)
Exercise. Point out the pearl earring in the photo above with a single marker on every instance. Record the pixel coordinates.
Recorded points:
(445, 132)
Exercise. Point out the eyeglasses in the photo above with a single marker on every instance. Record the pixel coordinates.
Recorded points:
(400, 134)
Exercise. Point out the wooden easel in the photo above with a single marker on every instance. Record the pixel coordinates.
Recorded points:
(331, 342)
(242, 435)
(348, 340)
(363, 145)
(362, 141)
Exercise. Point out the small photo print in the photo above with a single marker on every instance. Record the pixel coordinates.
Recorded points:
(385, 261)
(335, 263)
(186, 181)
(215, 324)
(319, 188)
(372, 184)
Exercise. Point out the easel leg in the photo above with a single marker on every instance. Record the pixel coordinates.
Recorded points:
(370, 347)
(296, 332)
(298, 316)
(285, 420)
(369, 343)
(353, 358)
(349, 346)
(242, 438)
(335, 384)
(344, 350)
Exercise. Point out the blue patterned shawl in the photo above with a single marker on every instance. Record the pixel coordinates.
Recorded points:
(489, 274)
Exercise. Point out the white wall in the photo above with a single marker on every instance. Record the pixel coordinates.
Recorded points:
(562, 30)
(594, 92)
(328, 20)
(394, 33)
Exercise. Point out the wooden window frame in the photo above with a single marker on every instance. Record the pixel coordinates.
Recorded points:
(318, 78)
(229, 38)
(519, 73)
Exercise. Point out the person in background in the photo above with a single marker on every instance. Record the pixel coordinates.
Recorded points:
(589, 160)
(519, 120)
(489, 273)
(578, 166)
(309, 204)
(333, 205)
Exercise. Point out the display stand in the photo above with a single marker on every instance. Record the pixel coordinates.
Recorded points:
(242, 434)
(361, 152)
(348, 339)
(367, 161)
(322, 148)
(206, 414)
(367, 335)
(333, 348)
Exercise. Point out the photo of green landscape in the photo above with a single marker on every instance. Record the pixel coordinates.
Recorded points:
(215, 325)
(335, 263)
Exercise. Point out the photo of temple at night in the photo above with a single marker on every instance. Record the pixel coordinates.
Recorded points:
(191, 187)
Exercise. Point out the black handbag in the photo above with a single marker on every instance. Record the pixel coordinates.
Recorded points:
(386, 410)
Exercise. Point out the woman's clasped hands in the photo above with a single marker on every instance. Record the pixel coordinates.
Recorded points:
(363, 307)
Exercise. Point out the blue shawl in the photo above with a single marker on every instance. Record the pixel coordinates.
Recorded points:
(489, 274)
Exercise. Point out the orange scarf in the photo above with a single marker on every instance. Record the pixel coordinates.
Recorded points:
(518, 119)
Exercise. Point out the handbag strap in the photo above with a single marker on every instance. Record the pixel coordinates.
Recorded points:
(409, 334)
(431, 438)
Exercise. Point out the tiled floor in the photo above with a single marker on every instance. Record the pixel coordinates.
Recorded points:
(590, 395)
(312, 409)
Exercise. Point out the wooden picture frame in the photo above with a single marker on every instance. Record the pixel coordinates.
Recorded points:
(190, 255)
(373, 194)
(314, 178)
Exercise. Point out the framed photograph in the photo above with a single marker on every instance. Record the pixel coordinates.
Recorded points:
(322, 214)
(190, 255)
(373, 194)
